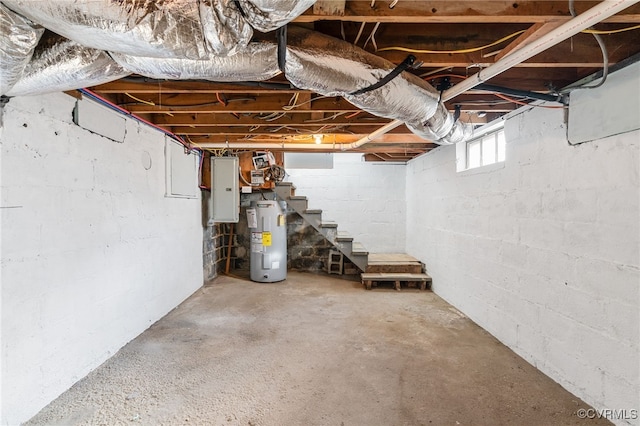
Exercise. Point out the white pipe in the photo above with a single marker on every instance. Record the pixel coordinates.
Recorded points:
(570, 28)
(268, 145)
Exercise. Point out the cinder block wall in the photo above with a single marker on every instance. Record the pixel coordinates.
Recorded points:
(365, 199)
(93, 252)
(543, 251)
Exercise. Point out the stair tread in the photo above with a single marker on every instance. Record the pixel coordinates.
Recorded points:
(284, 183)
(297, 197)
(313, 211)
(357, 249)
(328, 224)
(395, 276)
(344, 236)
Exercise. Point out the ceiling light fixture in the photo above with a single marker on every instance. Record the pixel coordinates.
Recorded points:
(317, 139)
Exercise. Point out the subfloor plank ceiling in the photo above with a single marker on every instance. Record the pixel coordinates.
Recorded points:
(451, 40)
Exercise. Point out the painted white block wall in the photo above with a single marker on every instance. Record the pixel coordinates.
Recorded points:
(542, 252)
(367, 200)
(92, 251)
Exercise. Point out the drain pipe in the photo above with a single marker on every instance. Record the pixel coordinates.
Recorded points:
(570, 28)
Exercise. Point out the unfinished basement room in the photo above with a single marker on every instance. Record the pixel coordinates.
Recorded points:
(309, 212)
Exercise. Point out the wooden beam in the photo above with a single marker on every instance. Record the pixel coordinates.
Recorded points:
(329, 8)
(584, 53)
(198, 103)
(280, 130)
(451, 12)
(302, 119)
(529, 36)
(135, 87)
(406, 138)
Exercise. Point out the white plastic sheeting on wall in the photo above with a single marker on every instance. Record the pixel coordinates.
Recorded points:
(612, 110)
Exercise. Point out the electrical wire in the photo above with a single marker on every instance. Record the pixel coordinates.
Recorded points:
(470, 50)
(372, 37)
(297, 105)
(195, 105)
(355, 42)
(140, 100)
(603, 48)
(220, 100)
(607, 32)
(515, 101)
(508, 37)
(320, 120)
(200, 167)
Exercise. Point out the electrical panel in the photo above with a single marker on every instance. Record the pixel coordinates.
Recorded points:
(225, 190)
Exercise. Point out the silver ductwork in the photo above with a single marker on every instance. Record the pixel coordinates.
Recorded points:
(167, 28)
(59, 64)
(224, 27)
(183, 29)
(442, 128)
(333, 67)
(269, 15)
(257, 62)
(210, 39)
(18, 39)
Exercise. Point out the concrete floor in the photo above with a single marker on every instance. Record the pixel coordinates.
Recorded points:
(314, 350)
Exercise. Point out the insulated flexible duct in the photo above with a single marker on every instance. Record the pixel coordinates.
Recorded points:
(186, 29)
(269, 15)
(18, 39)
(312, 61)
(257, 62)
(225, 29)
(166, 28)
(59, 64)
(333, 67)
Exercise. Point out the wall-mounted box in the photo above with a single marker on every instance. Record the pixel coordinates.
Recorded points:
(225, 190)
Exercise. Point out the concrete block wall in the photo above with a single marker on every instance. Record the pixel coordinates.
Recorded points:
(543, 250)
(365, 199)
(93, 252)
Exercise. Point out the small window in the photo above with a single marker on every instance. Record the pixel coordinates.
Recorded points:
(487, 150)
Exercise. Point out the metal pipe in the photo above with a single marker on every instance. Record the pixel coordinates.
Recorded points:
(570, 28)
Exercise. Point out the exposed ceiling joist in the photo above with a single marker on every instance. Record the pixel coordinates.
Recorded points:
(457, 12)
(274, 115)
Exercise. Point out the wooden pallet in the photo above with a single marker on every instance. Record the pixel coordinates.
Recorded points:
(369, 278)
(393, 262)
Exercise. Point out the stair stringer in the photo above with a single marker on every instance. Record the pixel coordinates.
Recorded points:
(355, 252)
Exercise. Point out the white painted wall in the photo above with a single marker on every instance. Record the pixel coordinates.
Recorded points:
(92, 251)
(367, 200)
(542, 252)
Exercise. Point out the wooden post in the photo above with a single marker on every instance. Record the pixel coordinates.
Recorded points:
(226, 268)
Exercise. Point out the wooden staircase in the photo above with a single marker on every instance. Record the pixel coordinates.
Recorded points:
(397, 268)
(342, 241)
